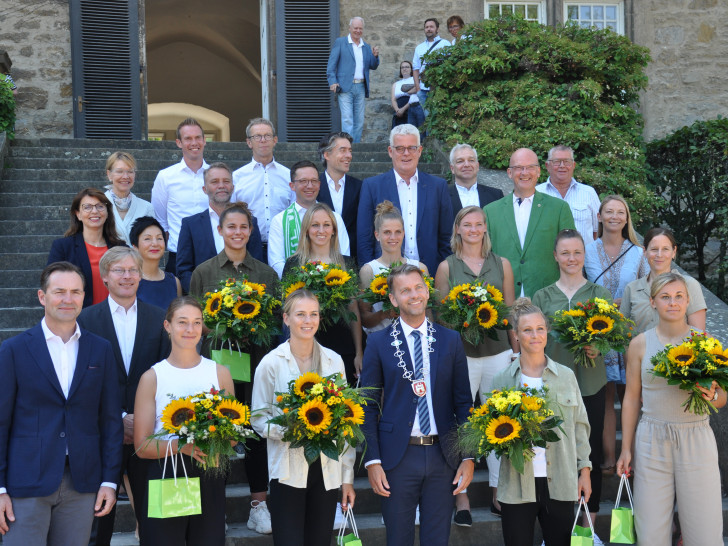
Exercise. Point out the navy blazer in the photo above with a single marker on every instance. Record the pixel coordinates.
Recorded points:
(38, 423)
(196, 244)
(434, 217)
(341, 65)
(151, 344)
(73, 249)
(388, 426)
(350, 208)
(486, 195)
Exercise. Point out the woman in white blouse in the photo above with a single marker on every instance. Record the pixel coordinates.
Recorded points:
(121, 172)
(303, 498)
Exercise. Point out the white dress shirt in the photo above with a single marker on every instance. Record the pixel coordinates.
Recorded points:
(358, 58)
(583, 202)
(408, 202)
(468, 196)
(337, 196)
(176, 194)
(277, 249)
(214, 223)
(125, 324)
(406, 333)
(265, 189)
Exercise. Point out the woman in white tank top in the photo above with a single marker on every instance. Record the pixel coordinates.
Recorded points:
(183, 373)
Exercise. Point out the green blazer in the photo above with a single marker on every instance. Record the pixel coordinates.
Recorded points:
(533, 266)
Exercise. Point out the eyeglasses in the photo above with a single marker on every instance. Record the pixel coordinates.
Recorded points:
(519, 168)
(264, 138)
(401, 149)
(98, 207)
(308, 182)
(119, 172)
(559, 162)
(118, 271)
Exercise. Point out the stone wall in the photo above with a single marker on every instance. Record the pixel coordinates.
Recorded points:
(36, 35)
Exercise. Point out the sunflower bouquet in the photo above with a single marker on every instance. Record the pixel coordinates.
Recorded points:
(510, 423)
(595, 323)
(321, 415)
(378, 290)
(699, 360)
(211, 420)
(476, 311)
(334, 286)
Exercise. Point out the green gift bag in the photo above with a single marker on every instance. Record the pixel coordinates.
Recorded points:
(174, 497)
(582, 536)
(622, 530)
(237, 362)
(352, 539)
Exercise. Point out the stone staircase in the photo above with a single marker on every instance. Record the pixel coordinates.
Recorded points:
(41, 176)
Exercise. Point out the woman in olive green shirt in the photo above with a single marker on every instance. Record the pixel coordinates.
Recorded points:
(564, 294)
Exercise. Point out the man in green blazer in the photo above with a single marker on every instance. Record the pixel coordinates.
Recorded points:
(523, 226)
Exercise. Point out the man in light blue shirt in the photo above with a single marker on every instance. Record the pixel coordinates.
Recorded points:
(432, 42)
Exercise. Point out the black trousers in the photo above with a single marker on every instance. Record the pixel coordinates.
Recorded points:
(303, 517)
(555, 518)
(256, 451)
(171, 263)
(207, 528)
(595, 405)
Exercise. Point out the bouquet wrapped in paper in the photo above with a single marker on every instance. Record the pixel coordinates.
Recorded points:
(595, 323)
(334, 286)
(699, 360)
(510, 423)
(210, 420)
(378, 290)
(476, 311)
(321, 415)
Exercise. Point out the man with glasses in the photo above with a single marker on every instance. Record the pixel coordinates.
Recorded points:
(136, 332)
(422, 199)
(524, 224)
(582, 199)
(263, 183)
(285, 228)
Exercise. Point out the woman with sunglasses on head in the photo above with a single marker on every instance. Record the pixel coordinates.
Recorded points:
(121, 172)
(406, 105)
(91, 233)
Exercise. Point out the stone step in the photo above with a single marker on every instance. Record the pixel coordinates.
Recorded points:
(35, 261)
(21, 297)
(34, 226)
(14, 318)
(23, 243)
(38, 212)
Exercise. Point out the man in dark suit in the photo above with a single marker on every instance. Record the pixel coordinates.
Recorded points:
(199, 239)
(339, 190)
(421, 198)
(60, 426)
(136, 332)
(466, 191)
(422, 381)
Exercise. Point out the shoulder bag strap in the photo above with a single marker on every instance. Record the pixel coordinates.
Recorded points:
(614, 262)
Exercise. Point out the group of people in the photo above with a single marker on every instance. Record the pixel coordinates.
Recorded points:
(89, 383)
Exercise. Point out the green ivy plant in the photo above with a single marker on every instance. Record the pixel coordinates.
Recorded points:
(7, 109)
(513, 83)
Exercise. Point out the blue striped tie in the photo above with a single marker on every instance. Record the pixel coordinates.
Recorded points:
(423, 411)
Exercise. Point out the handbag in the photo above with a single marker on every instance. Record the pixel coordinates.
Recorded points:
(236, 361)
(352, 539)
(622, 528)
(172, 497)
(582, 536)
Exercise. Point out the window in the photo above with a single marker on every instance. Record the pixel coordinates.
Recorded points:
(530, 11)
(598, 15)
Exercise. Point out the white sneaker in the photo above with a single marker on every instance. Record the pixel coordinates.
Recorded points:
(259, 520)
(597, 540)
(338, 517)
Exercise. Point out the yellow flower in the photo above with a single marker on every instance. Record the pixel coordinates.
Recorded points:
(295, 286)
(177, 413)
(354, 412)
(304, 383)
(720, 357)
(228, 301)
(682, 355)
(315, 415)
(574, 313)
(599, 324)
(235, 411)
(531, 403)
(246, 309)
(317, 389)
(452, 296)
(336, 277)
(710, 344)
(487, 315)
(480, 410)
(259, 288)
(502, 430)
(496, 294)
(212, 307)
(379, 286)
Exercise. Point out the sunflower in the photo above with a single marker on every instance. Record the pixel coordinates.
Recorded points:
(452, 296)
(574, 313)
(213, 304)
(259, 288)
(599, 324)
(721, 357)
(531, 403)
(354, 412)
(315, 415)
(177, 413)
(496, 294)
(487, 315)
(502, 429)
(305, 383)
(336, 277)
(295, 286)
(235, 411)
(481, 410)
(246, 309)
(379, 286)
(682, 355)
